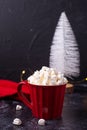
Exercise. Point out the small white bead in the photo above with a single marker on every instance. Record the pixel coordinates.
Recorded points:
(17, 121)
(18, 107)
(41, 122)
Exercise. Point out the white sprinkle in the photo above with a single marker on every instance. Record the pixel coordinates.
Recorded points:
(17, 121)
(41, 122)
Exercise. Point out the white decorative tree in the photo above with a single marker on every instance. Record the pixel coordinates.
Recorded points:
(64, 51)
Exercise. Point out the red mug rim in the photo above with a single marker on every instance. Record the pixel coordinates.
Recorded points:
(45, 85)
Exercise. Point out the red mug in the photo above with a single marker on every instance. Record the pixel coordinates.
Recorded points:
(45, 101)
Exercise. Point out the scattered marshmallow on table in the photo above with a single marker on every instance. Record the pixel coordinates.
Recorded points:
(17, 121)
(41, 122)
(18, 107)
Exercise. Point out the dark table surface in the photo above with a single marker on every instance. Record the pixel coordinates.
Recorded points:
(74, 116)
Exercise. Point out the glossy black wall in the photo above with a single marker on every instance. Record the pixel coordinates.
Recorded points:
(26, 32)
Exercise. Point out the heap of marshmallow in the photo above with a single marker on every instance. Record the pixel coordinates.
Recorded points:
(47, 76)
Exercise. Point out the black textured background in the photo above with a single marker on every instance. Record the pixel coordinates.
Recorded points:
(26, 31)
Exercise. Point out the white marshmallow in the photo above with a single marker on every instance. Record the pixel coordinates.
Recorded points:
(45, 68)
(41, 122)
(65, 80)
(60, 82)
(18, 107)
(60, 75)
(36, 73)
(17, 121)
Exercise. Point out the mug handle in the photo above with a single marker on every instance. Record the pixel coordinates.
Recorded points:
(21, 94)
